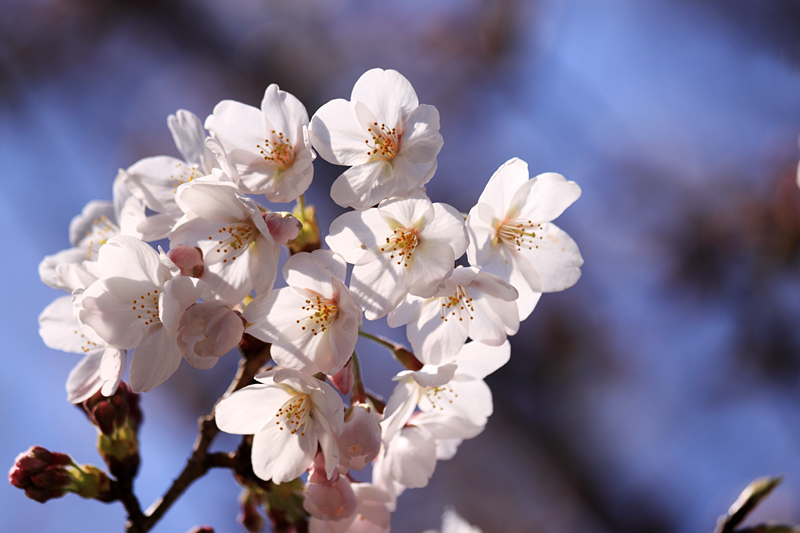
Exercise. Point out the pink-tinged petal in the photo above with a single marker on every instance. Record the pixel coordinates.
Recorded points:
(546, 198)
(413, 457)
(284, 111)
(499, 191)
(421, 139)
(477, 360)
(355, 235)
(207, 331)
(280, 455)
(178, 294)
(387, 93)
(106, 307)
(237, 126)
(364, 185)
(60, 330)
(399, 408)
(154, 180)
(337, 135)
(341, 339)
(433, 264)
(154, 361)
(84, 380)
(111, 369)
(249, 410)
(283, 228)
(189, 136)
(378, 287)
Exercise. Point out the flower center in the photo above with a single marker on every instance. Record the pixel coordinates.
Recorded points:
(385, 142)
(145, 307)
(185, 174)
(518, 234)
(401, 245)
(294, 413)
(232, 241)
(440, 396)
(321, 312)
(278, 151)
(102, 230)
(457, 304)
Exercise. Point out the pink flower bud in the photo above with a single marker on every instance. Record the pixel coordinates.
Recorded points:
(361, 438)
(316, 472)
(283, 228)
(343, 379)
(188, 259)
(207, 331)
(330, 501)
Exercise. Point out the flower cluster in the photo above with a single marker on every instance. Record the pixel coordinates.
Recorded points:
(393, 255)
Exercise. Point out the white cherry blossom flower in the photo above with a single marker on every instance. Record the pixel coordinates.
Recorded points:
(400, 247)
(266, 151)
(155, 180)
(207, 331)
(452, 522)
(239, 251)
(137, 302)
(361, 438)
(511, 234)
(289, 416)
(388, 139)
(313, 323)
(471, 304)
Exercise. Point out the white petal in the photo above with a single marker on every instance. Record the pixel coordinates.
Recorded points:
(546, 198)
(282, 456)
(477, 360)
(248, 410)
(364, 185)
(154, 361)
(84, 380)
(189, 135)
(387, 93)
(337, 135)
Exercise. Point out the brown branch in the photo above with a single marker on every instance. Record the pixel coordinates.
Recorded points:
(255, 355)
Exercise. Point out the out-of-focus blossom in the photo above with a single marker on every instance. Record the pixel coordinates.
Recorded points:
(372, 513)
(388, 139)
(452, 522)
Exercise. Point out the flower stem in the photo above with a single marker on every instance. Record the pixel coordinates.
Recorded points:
(359, 393)
(400, 353)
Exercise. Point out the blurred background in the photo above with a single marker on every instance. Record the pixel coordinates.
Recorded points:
(643, 399)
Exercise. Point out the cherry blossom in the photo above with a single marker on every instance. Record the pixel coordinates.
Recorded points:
(313, 323)
(372, 513)
(471, 304)
(511, 234)
(289, 415)
(388, 139)
(266, 151)
(239, 251)
(137, 302)
(207, 331)
(400, 247)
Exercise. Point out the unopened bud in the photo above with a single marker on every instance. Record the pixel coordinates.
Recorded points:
(45, 475)
(334, 500)
(118, 418)
(283, 227)
(308, 240)
(188, 259)
(343, 379)
(407, 359)
(207, 331)
(361, 437)
(201, 529)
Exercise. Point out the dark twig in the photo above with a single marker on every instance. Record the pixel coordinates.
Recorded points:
(255, 355)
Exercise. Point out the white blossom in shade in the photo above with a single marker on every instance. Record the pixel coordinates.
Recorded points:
(207, 331)
(100, 369)
(361, 438)
(137, 302)
(511, 234)
(388, 139)
(313, 323)
(266, 151)
(372, 513)
(289, 416)
(234, 234)
(88, 231)
(471, 304)
(401, 247)
(154, 180)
